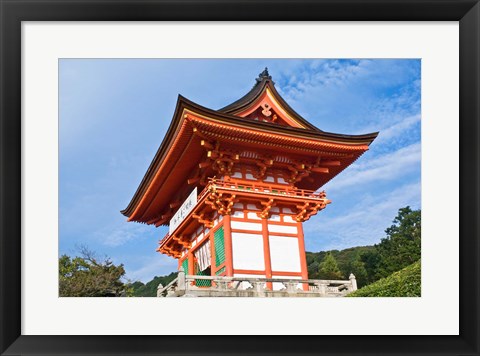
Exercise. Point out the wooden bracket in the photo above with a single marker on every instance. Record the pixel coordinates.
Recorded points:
(309, 209)
(221, 203)
(163, 219)
(263, 164)
(208, 223)
(182, 241)
(266, 206)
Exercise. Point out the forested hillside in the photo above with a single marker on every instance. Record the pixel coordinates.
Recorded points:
(337, 264)
(404, 283)
(399, 248)
(150, 288)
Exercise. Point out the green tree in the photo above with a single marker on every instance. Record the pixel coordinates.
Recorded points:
(400, 248)
(357, 267)
(371, 262)
(89, 276)
(150, 288)
(313, 270)
(328, 269)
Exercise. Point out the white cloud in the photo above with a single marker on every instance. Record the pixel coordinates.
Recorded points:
(397, 129)
(321, 74)
(353, 96)
(157, 265)
(119, 235)
(364, 223)
(390, 166)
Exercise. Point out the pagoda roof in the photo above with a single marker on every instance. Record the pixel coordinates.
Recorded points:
(192, 122)
(263, 84)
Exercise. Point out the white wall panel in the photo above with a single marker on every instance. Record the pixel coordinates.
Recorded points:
(246, 225)
(238, 214)
(274, 217)
(282, 228)
(253, 216)
(247, 251)
(284, 254)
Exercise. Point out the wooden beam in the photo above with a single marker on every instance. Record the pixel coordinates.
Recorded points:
(320, 169)
(331, 163)
(175, 204)
(212, 154)
(193, 180)
(167, 216)
(206, 144)
(163, 219)
(205, 164)
(151, 221)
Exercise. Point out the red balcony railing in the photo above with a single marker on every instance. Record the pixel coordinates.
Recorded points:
(262, 188)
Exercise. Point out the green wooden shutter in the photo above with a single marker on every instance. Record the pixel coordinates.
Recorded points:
(185, 266)
(219, 247)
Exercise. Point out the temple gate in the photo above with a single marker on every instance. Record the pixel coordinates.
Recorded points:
(236, 184)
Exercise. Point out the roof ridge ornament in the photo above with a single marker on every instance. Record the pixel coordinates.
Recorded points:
(264, 76)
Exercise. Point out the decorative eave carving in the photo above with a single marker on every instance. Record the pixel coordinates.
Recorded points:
(266, 206)
(309, 209)
(202, 219)
(221, 202)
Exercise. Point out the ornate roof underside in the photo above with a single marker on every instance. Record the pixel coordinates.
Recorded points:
(260, 120)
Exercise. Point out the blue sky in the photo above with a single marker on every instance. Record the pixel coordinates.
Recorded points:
(114, 114)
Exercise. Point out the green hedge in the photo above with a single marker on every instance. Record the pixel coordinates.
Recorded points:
(404, 283)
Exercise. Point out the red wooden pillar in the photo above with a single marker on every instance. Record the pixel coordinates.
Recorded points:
(303, 257)
(191, 264)
(213, 267)
(266, 252)
(227, 235)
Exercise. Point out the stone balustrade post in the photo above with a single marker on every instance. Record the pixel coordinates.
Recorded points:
(291, 286)
(257, 286)
(322, 289)
(181, 285)
(221, 284)
(353, 282)
(159, 290)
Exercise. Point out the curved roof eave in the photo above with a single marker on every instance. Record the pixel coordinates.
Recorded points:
(184, 103)
(257, 90)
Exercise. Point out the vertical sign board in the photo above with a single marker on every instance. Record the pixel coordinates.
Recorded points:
(183, 211)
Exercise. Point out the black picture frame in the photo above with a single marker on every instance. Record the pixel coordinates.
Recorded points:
(13, 12)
